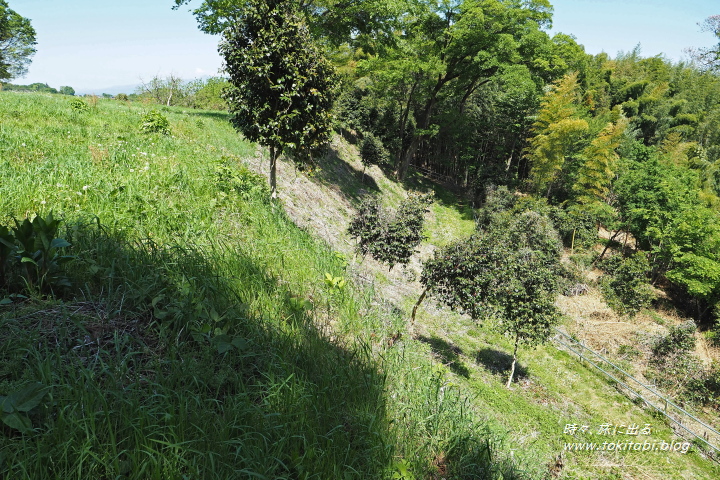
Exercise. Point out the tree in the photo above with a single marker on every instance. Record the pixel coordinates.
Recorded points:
(358, 21)
(282, 85)
(507, 272)
(165, 91)
(597, 170)
(17, 43)
(709, 57)
(65, 90)
(556, 133)
(463, 46)
(389, 237)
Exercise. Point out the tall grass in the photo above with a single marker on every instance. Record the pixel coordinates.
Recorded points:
(199, 339)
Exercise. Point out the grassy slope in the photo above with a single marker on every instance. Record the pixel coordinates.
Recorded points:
(196, 340)
(319, 387)
(554, 389)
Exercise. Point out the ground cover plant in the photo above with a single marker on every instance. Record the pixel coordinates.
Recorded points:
(195, 339)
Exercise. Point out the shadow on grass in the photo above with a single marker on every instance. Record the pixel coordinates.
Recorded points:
(499, 363)
(163, 370)
(215, 115)
(445, 194)
(352, 183)
(448, 353)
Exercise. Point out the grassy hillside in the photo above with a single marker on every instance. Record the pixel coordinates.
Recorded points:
(553, 390)
(195, 340)
(199, 338)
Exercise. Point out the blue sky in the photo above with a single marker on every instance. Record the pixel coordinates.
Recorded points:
(92, 45)
(659, 26)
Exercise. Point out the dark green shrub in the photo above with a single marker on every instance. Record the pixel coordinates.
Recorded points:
(713, 335)
(576, 229)
(678, 339)
(625, 286)
(390, 238)
(702, 388)
(155, 122)
(498, 199)
(674, 368)
(122, 97)
(372, 150)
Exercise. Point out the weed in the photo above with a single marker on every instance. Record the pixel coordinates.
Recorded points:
(14, 407)
(79, 106)
(155, 122)
(33, 249)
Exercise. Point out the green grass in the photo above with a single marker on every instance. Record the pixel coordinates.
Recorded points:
(199, 339)
(553, 390)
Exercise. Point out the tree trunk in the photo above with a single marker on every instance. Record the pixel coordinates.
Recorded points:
(607, 245)
(273, 173)
(512, 368)
(403, 123)
(403, 168)
(405, 163)
(422, 297)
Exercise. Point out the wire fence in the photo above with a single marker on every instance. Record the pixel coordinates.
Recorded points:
(686, 424)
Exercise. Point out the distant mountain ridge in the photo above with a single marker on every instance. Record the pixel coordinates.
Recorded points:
(114, 90)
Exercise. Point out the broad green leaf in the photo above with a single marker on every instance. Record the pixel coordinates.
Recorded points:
(223, 343)
(28, 260)
(239, 343)
(28, 397)
(17, 421)
(59, 243)
(6, 406)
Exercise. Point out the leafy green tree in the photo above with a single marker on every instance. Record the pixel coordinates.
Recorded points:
(507, 272)
(337, 21)
(597, 170)
(390, 237)
(556, 133)
(693, 246)
(207, 94)
(282, 85)
(17, 43)
(462, 46)
(66, 90)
